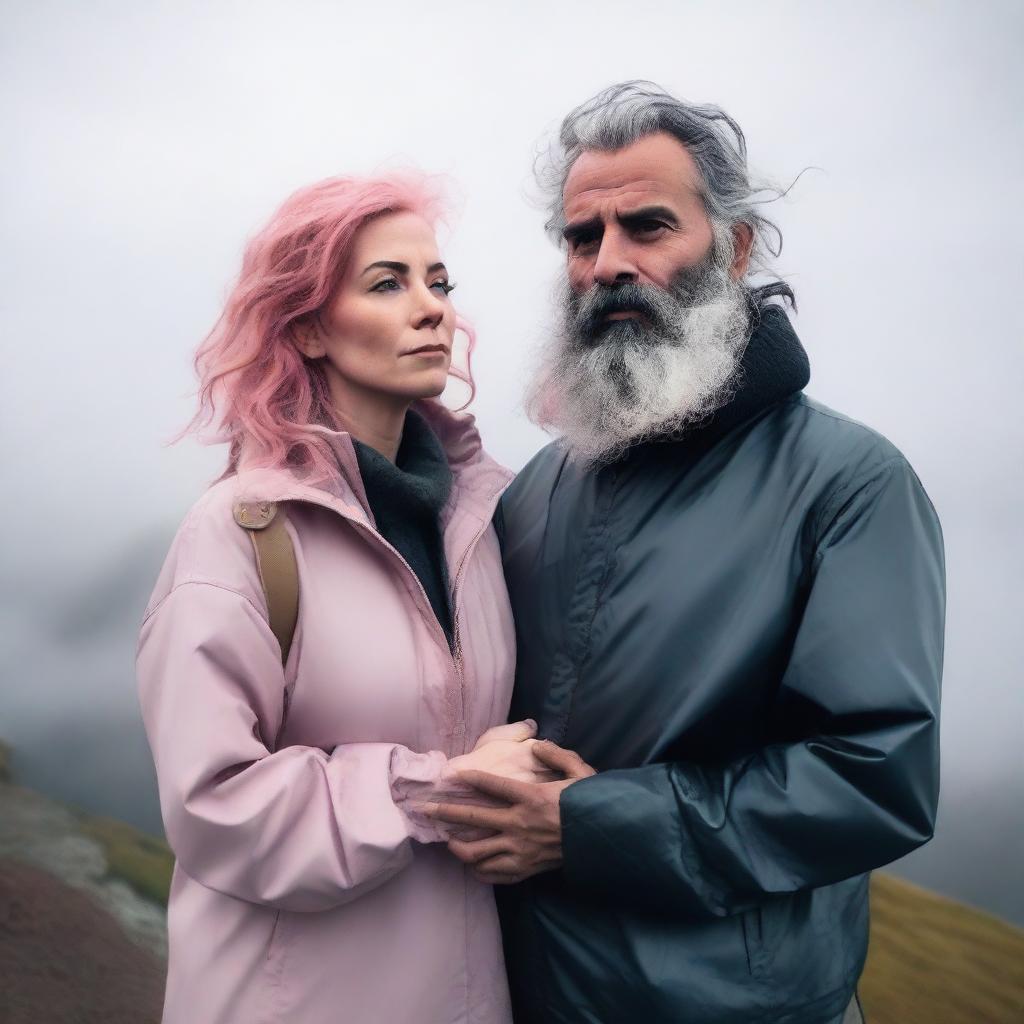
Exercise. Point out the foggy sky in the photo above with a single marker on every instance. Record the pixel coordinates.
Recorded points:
(144, 142)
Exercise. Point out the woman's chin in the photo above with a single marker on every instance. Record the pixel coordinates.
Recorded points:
(426, 385)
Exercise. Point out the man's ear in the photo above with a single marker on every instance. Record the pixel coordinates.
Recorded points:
(308, 337)
(743, 243)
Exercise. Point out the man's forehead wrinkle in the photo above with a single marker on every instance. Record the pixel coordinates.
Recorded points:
(656, 163)
(619, 195)
(629, 185)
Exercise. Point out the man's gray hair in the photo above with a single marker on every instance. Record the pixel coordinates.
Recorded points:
(625, 113)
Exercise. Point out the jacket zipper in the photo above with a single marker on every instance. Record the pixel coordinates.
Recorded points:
(454, 655)
(457, 658)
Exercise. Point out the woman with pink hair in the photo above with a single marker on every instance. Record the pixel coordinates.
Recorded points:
(307, 888)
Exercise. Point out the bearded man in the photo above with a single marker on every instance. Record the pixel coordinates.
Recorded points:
(729, 607)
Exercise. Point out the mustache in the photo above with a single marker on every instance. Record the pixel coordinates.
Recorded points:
(659, 306)
(589, 311)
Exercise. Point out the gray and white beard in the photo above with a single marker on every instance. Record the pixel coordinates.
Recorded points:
(603, 386)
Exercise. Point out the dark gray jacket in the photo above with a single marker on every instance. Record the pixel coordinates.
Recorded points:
(742, 631)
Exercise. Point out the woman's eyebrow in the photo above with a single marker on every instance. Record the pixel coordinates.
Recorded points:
(401, 268)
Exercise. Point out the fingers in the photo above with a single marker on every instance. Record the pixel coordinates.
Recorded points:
(511, 791)
(502, 865)
(516, 731)
(468, 834)
(487, 879)
(566, 761)
(482, 849)
(493, 818)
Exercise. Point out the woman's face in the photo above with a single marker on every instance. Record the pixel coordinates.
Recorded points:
(387, 330)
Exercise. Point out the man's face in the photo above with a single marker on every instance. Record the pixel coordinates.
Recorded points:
(654, 317)
(634, 215)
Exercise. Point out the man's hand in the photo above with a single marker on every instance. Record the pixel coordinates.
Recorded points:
(529, 838)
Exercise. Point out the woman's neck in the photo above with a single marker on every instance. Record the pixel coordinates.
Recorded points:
(375, 419)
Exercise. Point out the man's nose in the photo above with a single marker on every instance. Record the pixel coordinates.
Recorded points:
(614, 264)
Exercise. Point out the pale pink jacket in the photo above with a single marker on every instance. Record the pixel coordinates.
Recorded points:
(304, 891)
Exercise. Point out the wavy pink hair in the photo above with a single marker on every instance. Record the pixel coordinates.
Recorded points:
(268, 402)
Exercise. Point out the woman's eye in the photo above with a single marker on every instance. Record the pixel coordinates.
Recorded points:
(444, 286)
(389, 284)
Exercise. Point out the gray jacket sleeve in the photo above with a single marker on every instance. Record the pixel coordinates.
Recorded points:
(856, 791)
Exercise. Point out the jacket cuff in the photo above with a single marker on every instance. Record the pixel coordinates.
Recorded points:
(422, 778)
(583, 833)
(621, 836)
(426, 778)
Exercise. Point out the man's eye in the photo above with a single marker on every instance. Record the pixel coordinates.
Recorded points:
(389, 284)
(580, 242)
(649, 227)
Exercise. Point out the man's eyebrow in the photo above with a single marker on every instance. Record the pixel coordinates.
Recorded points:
(401, 268)
(648, 213)
(582, 227)
(571, 232)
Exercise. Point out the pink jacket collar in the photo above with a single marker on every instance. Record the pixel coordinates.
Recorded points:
(477, 479)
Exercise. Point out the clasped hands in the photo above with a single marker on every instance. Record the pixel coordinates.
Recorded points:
(521, 833)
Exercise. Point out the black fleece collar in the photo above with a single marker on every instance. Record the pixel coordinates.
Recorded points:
(774, 366)
(416, 484)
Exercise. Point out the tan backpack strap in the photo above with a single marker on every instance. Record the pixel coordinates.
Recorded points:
(275, 560)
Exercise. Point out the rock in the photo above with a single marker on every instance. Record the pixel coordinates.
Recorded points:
(43, 833)
(66, 960)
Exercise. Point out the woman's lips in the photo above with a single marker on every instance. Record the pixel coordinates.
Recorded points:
(428, 350)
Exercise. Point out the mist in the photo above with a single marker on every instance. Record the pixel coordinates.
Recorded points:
(146, 142)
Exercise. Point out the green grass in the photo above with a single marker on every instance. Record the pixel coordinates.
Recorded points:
(143, 861)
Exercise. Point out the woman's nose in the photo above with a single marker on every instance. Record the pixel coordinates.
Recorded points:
(430, 312)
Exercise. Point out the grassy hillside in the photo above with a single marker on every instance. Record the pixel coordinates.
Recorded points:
(935, 961)
(142, 861)
(931, 960)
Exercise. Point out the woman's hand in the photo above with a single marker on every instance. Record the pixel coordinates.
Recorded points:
(524, 730)
(505, 750)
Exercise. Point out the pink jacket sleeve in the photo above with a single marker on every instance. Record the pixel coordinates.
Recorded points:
(297, 828)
